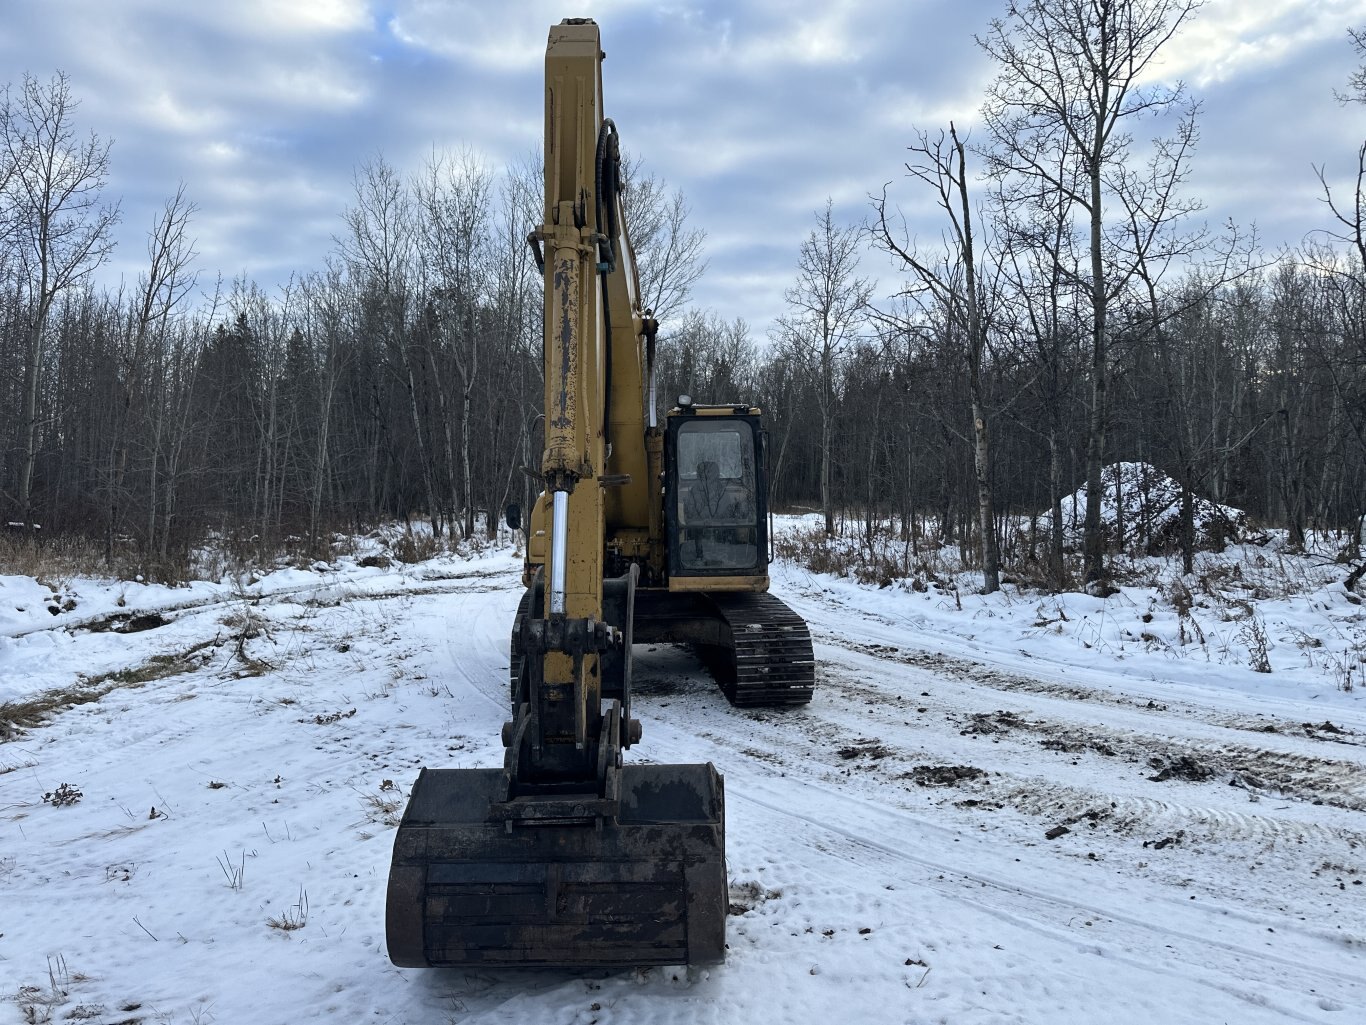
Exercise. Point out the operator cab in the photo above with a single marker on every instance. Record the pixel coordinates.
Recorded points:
(716, 495)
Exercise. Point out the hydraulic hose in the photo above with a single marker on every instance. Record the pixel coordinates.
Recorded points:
(606, 189)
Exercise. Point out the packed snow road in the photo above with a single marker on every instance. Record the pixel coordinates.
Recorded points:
(957, 829)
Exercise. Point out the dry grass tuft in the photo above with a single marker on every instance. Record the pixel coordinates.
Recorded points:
(383, 808)
(66, 556)
(16, 716)
(294, 917)
(417, 546)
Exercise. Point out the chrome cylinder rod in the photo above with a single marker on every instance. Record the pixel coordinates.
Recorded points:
(651, 406)
(559, 549)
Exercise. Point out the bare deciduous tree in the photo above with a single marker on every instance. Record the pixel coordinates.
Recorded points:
(828, 304)
(951, 284)
(378, 250)
(1356, 83)
(1074, 74)
(1040, 262)
(163, 288)
(454, 200)
(60, 230)
(668, 250)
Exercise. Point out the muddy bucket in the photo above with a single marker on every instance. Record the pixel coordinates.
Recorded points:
(468, 887)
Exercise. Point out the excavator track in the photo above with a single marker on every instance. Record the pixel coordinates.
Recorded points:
(757, 648)
(771, 662)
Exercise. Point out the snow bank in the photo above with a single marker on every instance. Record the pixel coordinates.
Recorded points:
(1141, 506)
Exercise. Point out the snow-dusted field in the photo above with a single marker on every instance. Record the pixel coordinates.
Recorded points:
(1005, 809)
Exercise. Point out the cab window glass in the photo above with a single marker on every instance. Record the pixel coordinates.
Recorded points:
(716, 508)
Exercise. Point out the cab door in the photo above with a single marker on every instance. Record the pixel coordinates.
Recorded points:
(716, 504)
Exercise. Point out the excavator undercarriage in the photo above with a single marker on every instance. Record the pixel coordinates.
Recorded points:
(756, 648)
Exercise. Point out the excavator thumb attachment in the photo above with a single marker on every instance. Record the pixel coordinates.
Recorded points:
(644, 887)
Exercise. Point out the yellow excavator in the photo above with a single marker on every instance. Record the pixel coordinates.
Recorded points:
(568, 855)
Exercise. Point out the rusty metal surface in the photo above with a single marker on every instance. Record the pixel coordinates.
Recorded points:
(647, 889)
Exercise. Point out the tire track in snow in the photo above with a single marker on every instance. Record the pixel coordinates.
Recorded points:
(1024, 775)
(1281, 766)
(1010, 681)
(768, 737)
(864, 832)
(1193, 949)
(813, 815)
(875, 833)
(757, 745)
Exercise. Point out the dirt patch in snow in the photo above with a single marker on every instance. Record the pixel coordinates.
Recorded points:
(943, 775)
(1183, 767)
(747, 895)
(864, 747)
(39, 709)
(1000, 721)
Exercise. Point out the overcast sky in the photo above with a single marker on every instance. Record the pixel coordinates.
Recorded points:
(757, 109)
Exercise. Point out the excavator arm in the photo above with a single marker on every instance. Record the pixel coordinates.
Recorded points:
(558, 729)
(567, 855)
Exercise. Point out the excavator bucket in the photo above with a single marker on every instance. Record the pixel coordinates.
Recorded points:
(647, 887)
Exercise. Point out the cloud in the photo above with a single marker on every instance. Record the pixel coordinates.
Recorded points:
(298, 16)
(826, 33)
(492, 35)
(1228, 39)
(757, 109)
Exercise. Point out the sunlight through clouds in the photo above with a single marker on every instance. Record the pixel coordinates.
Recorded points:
(220, 152)
(1228, 38)
(324, 86)
(174, 115)
(304, 16)
(482, 32)
(796, 33)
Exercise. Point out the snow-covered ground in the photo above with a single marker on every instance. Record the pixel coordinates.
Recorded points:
(1011, 808)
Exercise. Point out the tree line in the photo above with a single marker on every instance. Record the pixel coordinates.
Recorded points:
(1076, 313)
